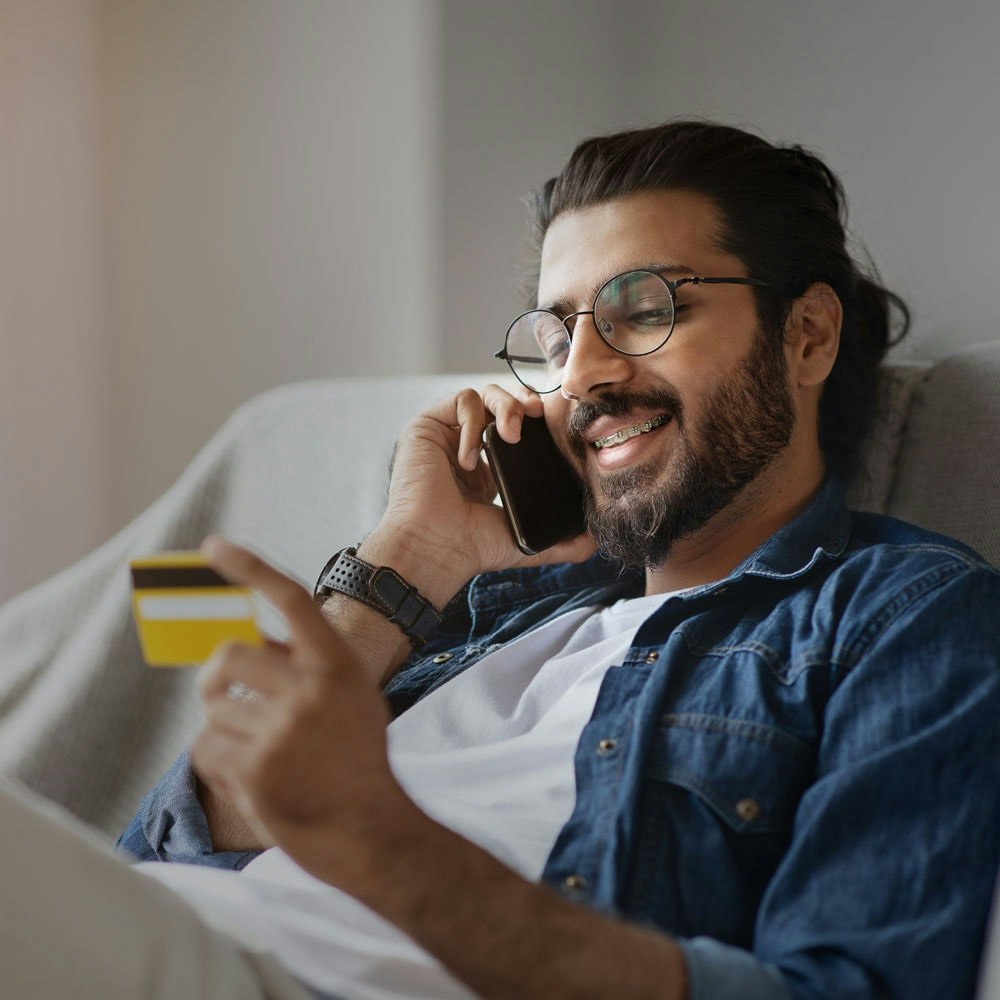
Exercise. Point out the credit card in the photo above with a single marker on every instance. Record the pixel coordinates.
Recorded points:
(184, 609)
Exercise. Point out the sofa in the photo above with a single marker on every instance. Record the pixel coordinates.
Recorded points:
(301, 471)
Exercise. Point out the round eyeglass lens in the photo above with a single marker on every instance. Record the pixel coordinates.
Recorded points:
(634, 312)
(537, 347)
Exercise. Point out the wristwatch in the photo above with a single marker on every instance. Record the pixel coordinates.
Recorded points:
(380, 588)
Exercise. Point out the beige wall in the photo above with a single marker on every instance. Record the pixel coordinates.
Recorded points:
(55, 460)
(199, 201)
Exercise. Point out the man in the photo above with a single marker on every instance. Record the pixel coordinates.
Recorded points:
(758, 761)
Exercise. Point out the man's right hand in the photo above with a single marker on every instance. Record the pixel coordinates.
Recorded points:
(441, 527)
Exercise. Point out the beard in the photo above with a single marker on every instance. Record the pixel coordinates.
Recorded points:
(635, 515)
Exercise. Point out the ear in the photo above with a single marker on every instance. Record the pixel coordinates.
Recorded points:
(813, 335)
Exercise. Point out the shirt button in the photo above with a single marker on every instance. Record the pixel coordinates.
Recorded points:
(442, 658)
(652, 656)
(606, 746)
(574, 883)
(747, 810)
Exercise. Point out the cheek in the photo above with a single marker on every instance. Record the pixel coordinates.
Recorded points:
(557, 414)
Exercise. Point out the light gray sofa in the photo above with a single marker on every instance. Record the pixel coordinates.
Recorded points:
(301, 471)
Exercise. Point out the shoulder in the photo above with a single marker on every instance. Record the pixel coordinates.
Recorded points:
(877, 535)
(898, 560)
(894, 577)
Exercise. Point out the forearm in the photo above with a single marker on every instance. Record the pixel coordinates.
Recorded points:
(500, 934)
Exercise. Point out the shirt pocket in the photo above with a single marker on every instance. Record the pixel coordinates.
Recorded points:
(718, 808)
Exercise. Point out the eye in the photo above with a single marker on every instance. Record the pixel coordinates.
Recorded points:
(554, 346)
(651, 317)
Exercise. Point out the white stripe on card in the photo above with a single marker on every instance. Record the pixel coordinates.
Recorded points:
(229, 607)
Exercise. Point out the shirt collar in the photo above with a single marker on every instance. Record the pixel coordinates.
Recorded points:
(823, 528)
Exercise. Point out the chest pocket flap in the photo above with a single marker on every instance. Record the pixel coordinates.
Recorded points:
(750, 774)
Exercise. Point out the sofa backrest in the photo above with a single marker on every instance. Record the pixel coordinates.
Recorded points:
(947, 473)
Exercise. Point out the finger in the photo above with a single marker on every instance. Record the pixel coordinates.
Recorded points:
(240, 719)
(573, 550)
(481, 486)
(510, 408)
(472, 419)
(465, 411)
(308, 628)
(257, 669)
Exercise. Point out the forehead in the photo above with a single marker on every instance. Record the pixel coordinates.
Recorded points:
(586, 246)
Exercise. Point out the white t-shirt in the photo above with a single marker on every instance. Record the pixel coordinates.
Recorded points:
(489, 754)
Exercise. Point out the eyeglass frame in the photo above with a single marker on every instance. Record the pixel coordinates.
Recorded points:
(671, 285)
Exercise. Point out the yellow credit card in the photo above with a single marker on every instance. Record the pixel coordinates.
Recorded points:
(184, 609)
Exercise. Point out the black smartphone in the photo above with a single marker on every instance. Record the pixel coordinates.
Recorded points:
(539, 490)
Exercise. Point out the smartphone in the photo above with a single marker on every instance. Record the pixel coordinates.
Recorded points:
(540, 491)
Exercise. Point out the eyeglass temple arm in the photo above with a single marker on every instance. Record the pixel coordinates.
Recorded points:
(721, 281)
(502, 355)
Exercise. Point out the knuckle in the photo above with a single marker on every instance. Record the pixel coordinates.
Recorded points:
(469, 401)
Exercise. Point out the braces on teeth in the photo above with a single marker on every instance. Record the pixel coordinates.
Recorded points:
(630, 432)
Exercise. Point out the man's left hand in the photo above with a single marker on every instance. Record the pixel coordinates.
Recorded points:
(294, 732)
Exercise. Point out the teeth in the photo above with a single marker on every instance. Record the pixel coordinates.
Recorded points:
(630, 432)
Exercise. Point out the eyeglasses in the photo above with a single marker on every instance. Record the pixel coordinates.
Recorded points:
(633, 313)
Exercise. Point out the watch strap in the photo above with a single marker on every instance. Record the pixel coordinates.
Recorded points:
(383, 589)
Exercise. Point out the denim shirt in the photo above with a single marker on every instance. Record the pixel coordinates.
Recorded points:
(795, 771)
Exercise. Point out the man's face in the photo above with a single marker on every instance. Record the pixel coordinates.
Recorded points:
(721, 385)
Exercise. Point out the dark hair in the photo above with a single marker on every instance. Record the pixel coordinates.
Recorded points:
(783, 215)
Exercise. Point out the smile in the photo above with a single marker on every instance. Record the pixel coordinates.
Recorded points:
(630, 432)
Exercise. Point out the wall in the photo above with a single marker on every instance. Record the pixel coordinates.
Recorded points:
(54, 451)
(200, 200)
(273, 173)
(523, 82)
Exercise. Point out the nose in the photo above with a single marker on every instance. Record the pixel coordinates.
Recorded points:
(591, 365)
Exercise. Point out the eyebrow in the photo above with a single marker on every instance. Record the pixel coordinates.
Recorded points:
(564, 305)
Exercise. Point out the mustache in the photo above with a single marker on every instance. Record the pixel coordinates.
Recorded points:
(619, 404)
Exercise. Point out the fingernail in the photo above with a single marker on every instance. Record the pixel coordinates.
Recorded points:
(517, 420)
(211, 545)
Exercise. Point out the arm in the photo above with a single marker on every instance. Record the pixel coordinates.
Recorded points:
(343, 817)
(440, 528)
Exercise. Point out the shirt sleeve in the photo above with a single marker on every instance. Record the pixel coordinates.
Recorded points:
(718, 971)
(170, 825)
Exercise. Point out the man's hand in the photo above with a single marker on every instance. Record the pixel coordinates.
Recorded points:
(440, 516)
(294, 733)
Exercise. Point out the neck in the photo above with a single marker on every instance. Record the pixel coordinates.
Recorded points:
(776, 497)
